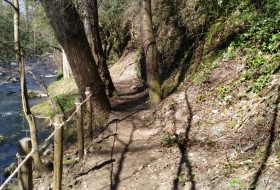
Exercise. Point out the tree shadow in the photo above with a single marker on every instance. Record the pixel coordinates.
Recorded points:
(183, 150)
(270, 142)
(95, 168)
(115, 178)
(132, 104)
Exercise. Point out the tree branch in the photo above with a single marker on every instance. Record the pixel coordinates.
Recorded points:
(6, 45)
(16, 9)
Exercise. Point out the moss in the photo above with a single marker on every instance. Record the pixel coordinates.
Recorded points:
(261, 121)
(232, 123)
(32, 94)
(63, 93)
(43, 109)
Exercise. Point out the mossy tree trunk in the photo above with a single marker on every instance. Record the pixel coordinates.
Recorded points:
(69, 31)
(39, 166)
(150, 53)
(93, 33)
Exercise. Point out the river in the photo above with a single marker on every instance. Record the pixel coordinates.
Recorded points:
(13, 125)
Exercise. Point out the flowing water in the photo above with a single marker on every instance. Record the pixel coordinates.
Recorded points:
(13, 125)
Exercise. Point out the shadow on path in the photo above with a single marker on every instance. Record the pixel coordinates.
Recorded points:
(183, 150)
(116, 178)
(270, 142)
(95, 168)
(132, 103)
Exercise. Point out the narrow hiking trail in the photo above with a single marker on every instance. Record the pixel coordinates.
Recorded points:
(128, 154)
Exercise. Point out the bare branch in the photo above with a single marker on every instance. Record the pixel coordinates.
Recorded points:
(16, 9)
(7, 46)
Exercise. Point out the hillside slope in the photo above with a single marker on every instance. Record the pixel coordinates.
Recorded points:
(209, 134)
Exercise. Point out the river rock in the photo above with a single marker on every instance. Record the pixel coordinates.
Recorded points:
(9, 170)
(13, 63)
(48, 150)
(12, 79)
(8, 92)
(36, 94)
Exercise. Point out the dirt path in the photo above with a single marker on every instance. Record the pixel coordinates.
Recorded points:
(129, 154)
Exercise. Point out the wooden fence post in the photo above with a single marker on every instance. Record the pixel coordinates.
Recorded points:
(25, 172)
(58, 152)
(80, 132)
(89, 113)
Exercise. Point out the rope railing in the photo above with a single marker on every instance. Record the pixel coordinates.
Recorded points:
(58, 126)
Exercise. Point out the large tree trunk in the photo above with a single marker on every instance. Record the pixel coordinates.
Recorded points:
(150, 52)
(70, 33)
(39, 166)
(93, 34)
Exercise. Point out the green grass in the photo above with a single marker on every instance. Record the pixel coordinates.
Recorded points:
(63, 93)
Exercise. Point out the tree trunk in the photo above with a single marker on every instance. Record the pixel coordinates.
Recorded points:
(93, 34)
(150, 52)
(39, 166)
(70, 33)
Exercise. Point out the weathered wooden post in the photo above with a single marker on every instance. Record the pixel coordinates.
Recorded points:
(25, 172)
(58, 152)
(80, 132)
(89, 113)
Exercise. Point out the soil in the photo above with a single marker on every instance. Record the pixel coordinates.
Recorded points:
(209, 134)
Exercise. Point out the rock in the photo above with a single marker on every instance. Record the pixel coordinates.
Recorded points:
(13, 63)
(44, 188)
(133, 87)
(9, 170)
(12, 79)
(181, 96)
(48, 150)
(169, 113)
(215, 111)
(50, 76)
(50, 165)
(8, 92)
(36, 94)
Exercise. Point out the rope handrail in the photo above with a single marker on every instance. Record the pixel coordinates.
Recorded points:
(33, 151)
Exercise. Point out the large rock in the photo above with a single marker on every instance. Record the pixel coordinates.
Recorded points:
(9, 170)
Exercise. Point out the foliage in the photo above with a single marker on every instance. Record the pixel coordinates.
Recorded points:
(115, 27)
(233, 182)
(6, 33)
(168, 140)
(63, 97)
(36, 34)
(181, 176)
(70, 135)
(66, 102)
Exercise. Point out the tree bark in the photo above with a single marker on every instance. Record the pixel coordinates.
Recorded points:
(70, 33)
(93, 34)
(150, 53)
(39, 166)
